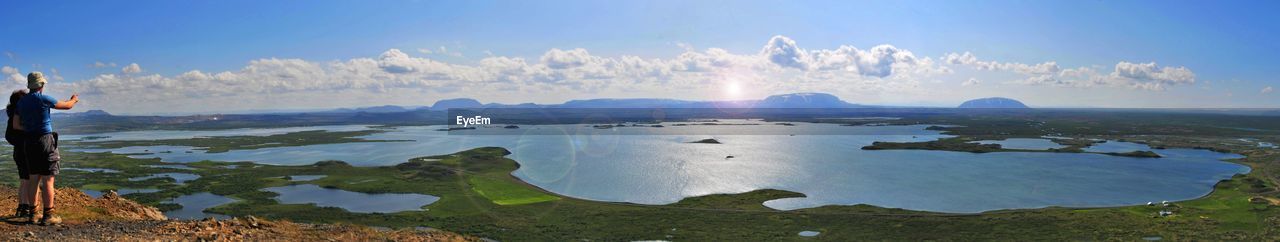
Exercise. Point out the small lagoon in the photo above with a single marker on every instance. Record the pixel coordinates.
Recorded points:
(95, 170)
(1024, 144)
(193, 206)
(351, 201)
(305, 177)
(1112, 146)
(621, 165)
(180, 178)
(121, 191)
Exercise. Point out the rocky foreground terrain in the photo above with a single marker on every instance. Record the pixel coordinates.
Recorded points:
(112, 218)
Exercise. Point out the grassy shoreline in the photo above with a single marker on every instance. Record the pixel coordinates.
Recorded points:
(1229, 211)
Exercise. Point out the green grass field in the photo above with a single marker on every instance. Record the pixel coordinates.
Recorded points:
(481, 198)
(504, 192)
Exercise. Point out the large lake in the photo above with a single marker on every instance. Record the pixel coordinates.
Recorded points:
(633, 165)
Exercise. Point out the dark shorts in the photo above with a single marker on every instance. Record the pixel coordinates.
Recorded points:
(20, 160)
(42, 154)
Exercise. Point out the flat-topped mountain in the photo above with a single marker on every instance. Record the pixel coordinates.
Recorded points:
(993, 102)
(626, 103)
(794, 100)
(456, 103)
(376, 109)
(804, 100)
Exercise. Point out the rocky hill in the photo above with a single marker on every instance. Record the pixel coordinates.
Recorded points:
(993, 102)
(112, 218)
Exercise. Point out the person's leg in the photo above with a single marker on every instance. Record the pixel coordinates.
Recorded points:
(48, 171)
(46, 198)
(33, 186)
(22, 209)
(24, 187)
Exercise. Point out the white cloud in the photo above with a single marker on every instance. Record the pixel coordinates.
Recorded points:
(13, 75)
(557, 71)
(99, 64)
(396, 77)
(56, 75)
(685, 46)
(1146, 76)
(1266, 90)
(783, 51)
(969, 59)
(395, 61)
(10, 55)
(879, 61)
(1151, 77)
(132, 68)
(561, 59)
(446, 51)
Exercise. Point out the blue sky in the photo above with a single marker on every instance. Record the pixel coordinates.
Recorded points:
(1229, 47)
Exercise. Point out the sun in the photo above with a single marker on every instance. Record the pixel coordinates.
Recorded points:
(732, 89)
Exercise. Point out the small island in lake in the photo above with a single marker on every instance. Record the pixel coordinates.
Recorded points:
(706, 141)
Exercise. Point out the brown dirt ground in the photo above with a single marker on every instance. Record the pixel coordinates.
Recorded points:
(112, 218)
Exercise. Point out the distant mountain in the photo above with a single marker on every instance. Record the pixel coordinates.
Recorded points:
(804, 100)
(90, 113)
(993, 102)
(794, 100)
(376, 109)
(98, 121)
(456, 103)
(522, 105)
(627, 103)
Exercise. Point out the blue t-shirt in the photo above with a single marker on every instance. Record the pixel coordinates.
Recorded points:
(34, 111)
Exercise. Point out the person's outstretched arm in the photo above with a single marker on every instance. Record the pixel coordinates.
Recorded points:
(68, 104)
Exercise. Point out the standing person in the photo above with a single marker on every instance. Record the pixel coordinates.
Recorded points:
(14, 135)
(41, 144)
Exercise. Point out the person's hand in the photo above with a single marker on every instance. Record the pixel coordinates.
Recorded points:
(75, 97)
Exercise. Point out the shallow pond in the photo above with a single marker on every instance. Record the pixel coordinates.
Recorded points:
(351, 201)
(621, 165)
(305, 177)
(193, 206)
(121, 191)
(101, 170)
(1117, 147)
(187, 134)
(174, 166)
(1024, 144)
(178, 177)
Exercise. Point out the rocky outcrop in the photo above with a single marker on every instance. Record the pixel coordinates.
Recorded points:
(114, 218)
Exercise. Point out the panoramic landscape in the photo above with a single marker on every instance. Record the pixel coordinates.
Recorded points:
(642, 121)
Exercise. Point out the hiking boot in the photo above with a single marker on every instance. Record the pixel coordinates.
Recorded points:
(22, 211)
(18, 212)
(48, 218)
(29, 216)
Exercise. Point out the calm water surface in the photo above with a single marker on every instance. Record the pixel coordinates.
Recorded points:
(1117, 147)
(1024, 143)
(122, 191)
(305, 177)
(193, 206)
(351, 201)
(644, 166)
(180, 178)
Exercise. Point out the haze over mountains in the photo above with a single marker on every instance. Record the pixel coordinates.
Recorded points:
(95, 121)
(794, 100)
(993, 102)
